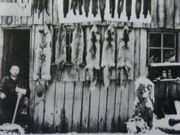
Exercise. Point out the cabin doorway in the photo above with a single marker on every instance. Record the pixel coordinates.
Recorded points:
(16, 52)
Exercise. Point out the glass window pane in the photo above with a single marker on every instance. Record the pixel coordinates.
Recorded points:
(155, 56)
(168, 56)
(155, 40)
(169, 40)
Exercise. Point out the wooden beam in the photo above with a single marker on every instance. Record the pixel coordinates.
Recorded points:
(1, 50)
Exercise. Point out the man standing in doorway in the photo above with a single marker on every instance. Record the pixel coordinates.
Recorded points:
(8, 95)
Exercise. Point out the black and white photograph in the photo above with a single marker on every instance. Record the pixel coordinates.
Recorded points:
(94, 67)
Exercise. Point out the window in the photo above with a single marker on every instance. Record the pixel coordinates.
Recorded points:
(162, 47)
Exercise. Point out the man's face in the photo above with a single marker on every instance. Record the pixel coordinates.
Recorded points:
(14, 71)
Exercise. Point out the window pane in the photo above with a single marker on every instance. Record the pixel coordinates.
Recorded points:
(155, 40)
(169, 40)
(155, 56)
(168, 56)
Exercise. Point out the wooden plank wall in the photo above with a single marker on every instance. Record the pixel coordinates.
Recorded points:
(69, 105)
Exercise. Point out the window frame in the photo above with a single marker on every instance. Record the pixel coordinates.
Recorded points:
(162, 48)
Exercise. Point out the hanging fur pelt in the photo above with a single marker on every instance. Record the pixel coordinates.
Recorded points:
(94, 7)
(93, 49)
(86, 7)
(102, 6)
(124, 54)
(80, 5)
(41, 5)
(128, 8)
(74, 4)
(112, 4)
(108, 54)
(146, 7)
(120, 7)
(43, 54)
(65, 7)
(77, 46)
(138, 8)
(61, 49)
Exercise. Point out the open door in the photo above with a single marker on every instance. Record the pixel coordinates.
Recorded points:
(16, 52)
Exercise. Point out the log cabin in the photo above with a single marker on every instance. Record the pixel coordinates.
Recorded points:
(70, 92)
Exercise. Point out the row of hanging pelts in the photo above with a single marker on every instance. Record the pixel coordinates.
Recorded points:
(118, 6)
(98, 54)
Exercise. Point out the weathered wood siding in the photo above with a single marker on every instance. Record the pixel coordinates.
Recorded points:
(69, 104)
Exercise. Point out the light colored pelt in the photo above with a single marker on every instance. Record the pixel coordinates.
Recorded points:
(93, 61)
(77, 46)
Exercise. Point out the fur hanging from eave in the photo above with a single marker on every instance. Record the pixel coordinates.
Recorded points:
(65, 7)
(120, 7)
(61, 47)
(124, 53)
(41, 5)
(77, 4)
(94, 7)
(93, 49)
(43, 53)
(108, 54)
(112, 4)
(102, 6)
(86, 6)
(77, 46)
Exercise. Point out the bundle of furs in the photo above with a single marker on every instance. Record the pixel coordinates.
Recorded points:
(77, 46)
(108, 54)
(143, 104)
(43, 54)
(77, 4)
(124, 54)
(41, 5)
(10, 129)
(61, 49)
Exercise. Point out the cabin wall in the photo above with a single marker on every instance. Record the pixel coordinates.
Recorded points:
(69, 105)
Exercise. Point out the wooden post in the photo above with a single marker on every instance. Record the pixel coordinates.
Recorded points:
(1, 50)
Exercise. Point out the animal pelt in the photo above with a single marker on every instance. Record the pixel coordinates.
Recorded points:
(93, 49)
(108, 52)
(120, 7)
(86, 6)
(102, 6)
(65, 7)
(77, 46)
(80, 5)
(146, 7)
(144, 100)
(112, 4)
(94, 7)
(74, 4)
(43, 53)
(41, 5)
(61, 50)
(128, 8)
(124, 62)
(138, 8)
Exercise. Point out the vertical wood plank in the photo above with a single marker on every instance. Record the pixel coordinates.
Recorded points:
(77, 107)
(136, 53)
(85, 111)
(177, 14)
(143, 52)
(111, 107)
(154, 13)
(39, 112)
(102, 109)
(55, 12)
(169, 13)
(59, 104)
(178, 46)
(49, 107)
(69, 103)
(93, 127)
(131, 98)
(1, 49)
(161, 13)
